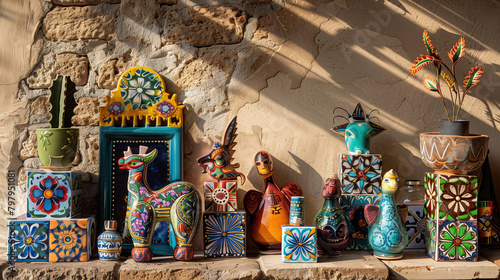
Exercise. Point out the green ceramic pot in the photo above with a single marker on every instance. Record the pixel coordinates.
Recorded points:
(57, 146)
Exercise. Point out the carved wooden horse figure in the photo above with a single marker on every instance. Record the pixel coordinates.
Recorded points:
(178, 203)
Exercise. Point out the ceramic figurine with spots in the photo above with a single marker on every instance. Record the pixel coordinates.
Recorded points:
(269, 209)
(178, 203)
(387, 234)
(331, 221)
(358, 131)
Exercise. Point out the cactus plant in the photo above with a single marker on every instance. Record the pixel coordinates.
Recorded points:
(63, 102)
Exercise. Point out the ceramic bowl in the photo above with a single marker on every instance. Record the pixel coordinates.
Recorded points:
(453, 154)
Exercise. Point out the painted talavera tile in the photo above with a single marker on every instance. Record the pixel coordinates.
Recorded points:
(299, 244)
(71, 240)
(28, 241)
(224, 234)
(452, 240)
(354, 208)
(415, 227)
(221, 196)
(360, 174)
(53, 194)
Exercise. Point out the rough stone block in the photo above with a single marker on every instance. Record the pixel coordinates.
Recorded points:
(52, 65)
(93, 149)
(72, 240)
(168, 2)
(415, 227)
(415, 265)
(450, 197)
(355, 212)
(28, 241)
(224, 234)
(221, 196)
(80, 23)
(451, 241)
(87, 111)
(82, 2)
(360, 174)
(29, 149)
(110, 72)
(39, 110)
(204, 26)
(299, 244)
(55, 194)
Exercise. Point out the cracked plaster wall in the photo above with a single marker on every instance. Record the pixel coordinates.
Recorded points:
(280, 66)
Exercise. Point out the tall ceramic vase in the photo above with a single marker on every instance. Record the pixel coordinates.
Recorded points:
(109, 243)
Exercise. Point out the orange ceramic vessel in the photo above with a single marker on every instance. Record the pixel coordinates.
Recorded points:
(270, 208)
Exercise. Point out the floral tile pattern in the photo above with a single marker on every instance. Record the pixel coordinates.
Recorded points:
(68, 240)
(457, 241)
(221, 196)
(415, 227)
(458, 195)
(141, 89)
(431, 195)
(430, 238)
(354, 208)
(360, 174)
(28, 241)
(298, 244)
(53, 194)
(224, 234)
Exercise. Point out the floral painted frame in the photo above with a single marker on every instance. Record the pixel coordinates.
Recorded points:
(139, 112)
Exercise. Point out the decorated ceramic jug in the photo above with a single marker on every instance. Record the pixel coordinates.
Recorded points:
(387, 235)
(331, 221)
(109, 243)
(270, 208)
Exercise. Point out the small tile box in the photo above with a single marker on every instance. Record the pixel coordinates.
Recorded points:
(221, 196)
(45, 240)
(360, 174)
(298, 244)
(53, 194)
(224, 234)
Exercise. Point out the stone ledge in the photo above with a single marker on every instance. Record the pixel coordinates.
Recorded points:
(416, 265)
(353, 265)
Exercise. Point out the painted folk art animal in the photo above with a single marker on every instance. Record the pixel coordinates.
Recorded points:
(358, 131)
(217, 163)
(178, 203)
(269, 208)
(387, 235)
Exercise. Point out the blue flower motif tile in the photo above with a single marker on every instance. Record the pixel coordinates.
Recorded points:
(224, 234)
(28, 241)
(360, 174)
(298, 244)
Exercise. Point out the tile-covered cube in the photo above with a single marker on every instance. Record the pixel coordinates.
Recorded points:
(415, 226)
(71, 240)
(484, 221)
(360, 174)
(298, 244)
(221, 196)
(450, 197)
(452, 241)
(53, 194)
(354, 208)
(224, 234)
(28, 241)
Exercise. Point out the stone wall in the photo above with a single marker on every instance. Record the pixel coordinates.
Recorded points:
(280, 66)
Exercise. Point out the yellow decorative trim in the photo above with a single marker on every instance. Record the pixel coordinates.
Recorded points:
(140, 99)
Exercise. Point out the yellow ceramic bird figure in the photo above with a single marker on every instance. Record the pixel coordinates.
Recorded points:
(387, 235)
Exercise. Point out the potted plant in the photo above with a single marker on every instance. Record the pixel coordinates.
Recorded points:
(453, 125)
(453, 150)
(57, 146)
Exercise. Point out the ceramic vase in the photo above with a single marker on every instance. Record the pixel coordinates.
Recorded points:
(331, 222)
(109, 243)
(387, 234)
(57, 147)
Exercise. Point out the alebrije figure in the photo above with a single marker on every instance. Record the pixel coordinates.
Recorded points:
(358, 131)
(331, 221)
(178, 203)
(270, 208)
(217, 163)
(387, 235)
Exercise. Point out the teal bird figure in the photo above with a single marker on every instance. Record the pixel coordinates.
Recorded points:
(387, 235)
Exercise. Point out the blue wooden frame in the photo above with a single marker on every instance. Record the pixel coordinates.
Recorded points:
(106, 137)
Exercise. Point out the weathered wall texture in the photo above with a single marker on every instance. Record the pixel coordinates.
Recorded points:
(280, 66)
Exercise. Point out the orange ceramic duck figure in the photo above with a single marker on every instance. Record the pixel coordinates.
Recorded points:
(270, 208)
